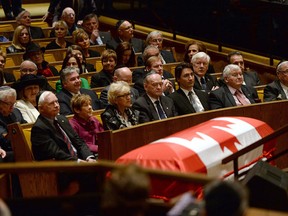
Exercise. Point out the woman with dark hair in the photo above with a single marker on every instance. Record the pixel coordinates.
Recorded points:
(191, 48)
(125, 55)
(77, 50)
(72, 61)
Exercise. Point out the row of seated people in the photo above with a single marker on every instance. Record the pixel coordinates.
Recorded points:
(118, 113)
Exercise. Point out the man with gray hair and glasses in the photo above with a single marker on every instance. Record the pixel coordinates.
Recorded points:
(278, 89)
(8, 115)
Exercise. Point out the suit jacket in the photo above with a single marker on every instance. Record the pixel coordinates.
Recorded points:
(222, 97)
(8, 77)
(274, 91)
(138, 76)
(101, 79)
(104, 95)
(147, 110)
(64, 98)
(84, 7)
(183, 105)
(210, 82)
(166, 55)
(251, 78)
(137, 44)
(36, 32)
(48, 144)
(105, 37)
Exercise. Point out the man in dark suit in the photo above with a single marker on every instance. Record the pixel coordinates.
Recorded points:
(155, 38)
(125, 33)
(5, 77)
(250, 77)
(71, 85)
(203, 80)
(91, 27)
(120, 74)
(233, 92)
(186, 99)
(153, 105)
(278, 89)
(24, 18)
(53, 137)
(81, 8)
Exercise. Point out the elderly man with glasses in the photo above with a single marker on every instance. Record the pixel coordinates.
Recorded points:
(278, 89)
(125, 32)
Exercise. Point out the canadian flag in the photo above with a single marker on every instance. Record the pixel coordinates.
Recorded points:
(201, 149)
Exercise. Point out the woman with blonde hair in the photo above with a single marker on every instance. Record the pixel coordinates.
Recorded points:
(119, 114)
(81, 38)
(61, 29)
(21, 38)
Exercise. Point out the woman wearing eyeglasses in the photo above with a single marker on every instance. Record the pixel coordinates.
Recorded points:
(119, 114)
(21, 38)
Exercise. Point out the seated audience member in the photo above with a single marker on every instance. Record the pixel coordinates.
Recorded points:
(71, 85)
(21, 38)
(27, 87)
(119, 114)
(61, 30)
(153, 105)
(82, 7)
(81, 38)
(24, 18)
(8, 115)
(155, 63)
(233, 92)
(91, 27)
(278, 89)
(186, 98)
(120, 74)
(52, 136)
(29, 67)
(105, 76)
(77, 50)
(139, 74)
(221, 198)
(5, 77)
(125, 55)
(84, 123)
(250, 77)
(125, 33)
(68, 16)
(126, 192)
(155, 38)
(191, 48)
(72, 61)
(203, 80)
(36, 54)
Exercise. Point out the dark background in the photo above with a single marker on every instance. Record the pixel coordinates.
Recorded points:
(252, 25)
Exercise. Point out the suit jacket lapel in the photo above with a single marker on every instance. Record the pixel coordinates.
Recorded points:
(283, 95)
(230, 96)
(185, 100)
(151, 107)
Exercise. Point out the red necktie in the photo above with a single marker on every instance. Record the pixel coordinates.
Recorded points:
(65, 137)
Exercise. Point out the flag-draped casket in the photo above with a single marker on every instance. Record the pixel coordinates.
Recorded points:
(201, 149)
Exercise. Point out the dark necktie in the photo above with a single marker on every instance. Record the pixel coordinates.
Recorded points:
(160, 110)
(65, 137)
(193, 102)
(203, 83)
(241, 98)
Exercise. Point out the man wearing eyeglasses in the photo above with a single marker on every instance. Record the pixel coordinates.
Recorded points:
(8, 114)
(125, 32)
(278, 89)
